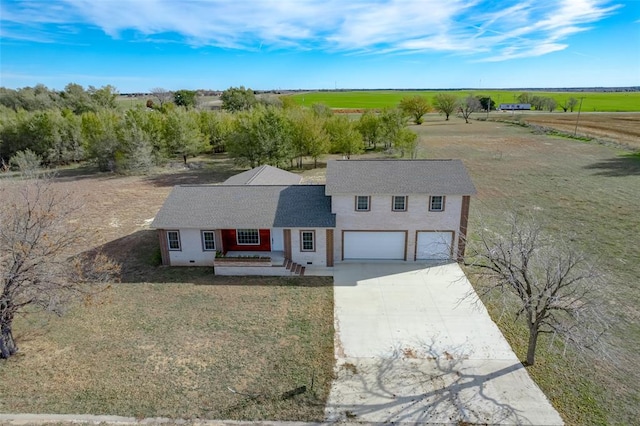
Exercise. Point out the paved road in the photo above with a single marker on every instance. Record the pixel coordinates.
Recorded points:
(414, 345)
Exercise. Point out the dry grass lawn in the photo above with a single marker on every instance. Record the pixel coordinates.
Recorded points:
(161, 343)
(588, 192)
(171, 341)
(174, 350)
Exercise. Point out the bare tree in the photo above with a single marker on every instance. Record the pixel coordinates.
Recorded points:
(553, 284)
(469, 105)
(162, 95)
(37, 272)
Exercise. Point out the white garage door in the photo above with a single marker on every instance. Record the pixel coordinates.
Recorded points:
(374, 245)
(434, 245)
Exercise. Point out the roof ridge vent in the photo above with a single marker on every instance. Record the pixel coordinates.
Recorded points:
(261, 169)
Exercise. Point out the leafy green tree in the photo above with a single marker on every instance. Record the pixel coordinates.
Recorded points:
(27, 161)
(537, 102)
(445, 103)
(343, 136)
(182, 134)
(487, 103)
(46, 128)
(71, 145)
(289, 102)
(276, 135)
(392, 120)
(262, 135)
(550, 104)
(236, 99)
(370, 127)
(216, 126)
(569, 104)
(77, 99)
(415, 107)
(152, 124)
(309, 136)
(244, 147)
(185, 98)
(104, 97)
(100, 131)
(136, 151)
(407, 142)
(321, 110)
(34, 98)
(524, 98)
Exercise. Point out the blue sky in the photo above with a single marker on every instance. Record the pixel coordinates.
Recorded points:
(137, 45)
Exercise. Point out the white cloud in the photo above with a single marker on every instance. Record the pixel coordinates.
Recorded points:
(483, 29)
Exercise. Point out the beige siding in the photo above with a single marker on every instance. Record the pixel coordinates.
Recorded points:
(192, 253)
(380, 217)
(317, 257)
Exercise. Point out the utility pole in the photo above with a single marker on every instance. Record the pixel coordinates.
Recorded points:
(575, 131)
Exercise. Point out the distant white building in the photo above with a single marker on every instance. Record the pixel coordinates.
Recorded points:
(515, 107)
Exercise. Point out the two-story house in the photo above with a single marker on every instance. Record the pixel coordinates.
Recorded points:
(396, 210)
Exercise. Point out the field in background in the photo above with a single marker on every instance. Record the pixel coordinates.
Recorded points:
(593, 101)
(618, 128)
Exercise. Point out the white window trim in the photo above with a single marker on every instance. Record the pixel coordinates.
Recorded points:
(368, 203)
(178, 240)
(393, 203)
(441, 209)
(204, 246)
(313, 240)
(247, 244)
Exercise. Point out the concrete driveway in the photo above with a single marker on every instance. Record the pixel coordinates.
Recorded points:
(414, 344)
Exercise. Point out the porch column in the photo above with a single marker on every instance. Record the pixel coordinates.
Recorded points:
(329, 247)
(286, 234)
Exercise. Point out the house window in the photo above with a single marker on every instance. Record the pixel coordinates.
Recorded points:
(436, 203)
(307, 240)
(248, 237)
(399, 203)
(208, 241)
(173, 240)
(362, 203)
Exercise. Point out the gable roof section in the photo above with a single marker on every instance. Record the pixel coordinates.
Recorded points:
(245, 206)
(264, 175)
(402, 177)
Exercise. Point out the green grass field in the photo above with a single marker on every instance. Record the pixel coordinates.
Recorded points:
(593, 101)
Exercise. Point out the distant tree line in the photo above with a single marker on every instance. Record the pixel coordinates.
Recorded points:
(56, 128)
(415, 107)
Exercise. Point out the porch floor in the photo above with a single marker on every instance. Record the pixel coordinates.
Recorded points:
(277, 257)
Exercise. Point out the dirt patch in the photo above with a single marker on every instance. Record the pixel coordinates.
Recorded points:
(621, 128)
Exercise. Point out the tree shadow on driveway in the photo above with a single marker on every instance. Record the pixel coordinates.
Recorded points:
(441, 388)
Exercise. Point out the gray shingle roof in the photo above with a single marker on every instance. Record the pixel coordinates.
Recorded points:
(245, 206)
(264, 175)
(402, 177)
